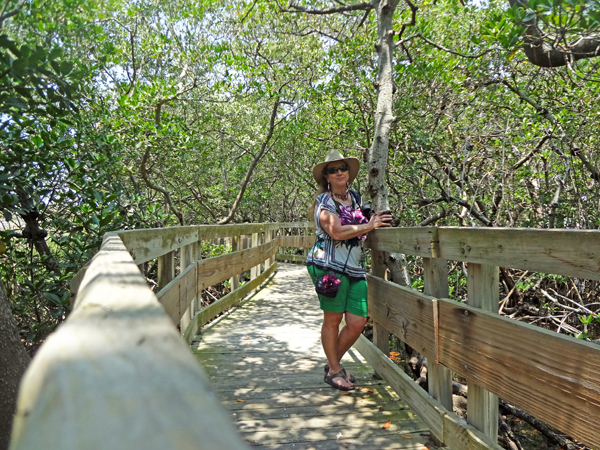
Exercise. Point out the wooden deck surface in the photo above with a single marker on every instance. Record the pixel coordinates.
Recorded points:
(265, 362)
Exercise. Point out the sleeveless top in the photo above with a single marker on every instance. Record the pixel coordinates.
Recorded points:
(331, 255)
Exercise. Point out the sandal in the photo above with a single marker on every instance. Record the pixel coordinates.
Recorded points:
(352, 379)
(341, 374)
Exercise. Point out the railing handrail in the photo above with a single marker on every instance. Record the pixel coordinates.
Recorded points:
(573, 253)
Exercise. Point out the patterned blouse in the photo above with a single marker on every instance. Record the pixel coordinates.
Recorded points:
(329, 254)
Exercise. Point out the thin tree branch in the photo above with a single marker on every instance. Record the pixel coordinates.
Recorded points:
(346, 8)
(11, 13)
(439, 47)
(413, 18)
(257, 158)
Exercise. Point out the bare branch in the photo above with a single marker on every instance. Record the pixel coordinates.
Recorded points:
(527, 157)
(346, 8)
(413, 19)
(14, 11)
(249, 11)
(157, 187)
(255, 161)
(401, 42)
(433, 219)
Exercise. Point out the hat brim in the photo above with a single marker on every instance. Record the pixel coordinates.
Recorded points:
(353, 163)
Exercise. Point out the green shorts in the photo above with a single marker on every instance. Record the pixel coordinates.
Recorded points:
(351, 296)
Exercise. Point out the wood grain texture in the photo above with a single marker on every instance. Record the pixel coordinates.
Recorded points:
(151, 243)
(551, 376)
(176, 296)
(446, 426)
(283, 401)
(435, 279)
(566, 252)
(292, 258)
(305, 242)
(403, 311)
(418, 241)
(116, 375)
(214, 270)
(482, 292)
(166, 269)
(206, 314)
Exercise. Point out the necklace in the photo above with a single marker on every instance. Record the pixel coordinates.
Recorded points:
(342, 197)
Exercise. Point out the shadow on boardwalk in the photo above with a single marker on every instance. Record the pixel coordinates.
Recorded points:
(265, 362)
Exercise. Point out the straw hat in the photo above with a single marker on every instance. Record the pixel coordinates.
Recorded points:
(334, 155)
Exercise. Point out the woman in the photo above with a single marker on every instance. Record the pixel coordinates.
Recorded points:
(340, 227)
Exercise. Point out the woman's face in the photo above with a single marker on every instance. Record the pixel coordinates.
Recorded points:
(339, 178)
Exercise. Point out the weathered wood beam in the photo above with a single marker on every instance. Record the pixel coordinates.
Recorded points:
(206, 314)
(446, 426)
(551, 376)
(482, 292)
(117, 375)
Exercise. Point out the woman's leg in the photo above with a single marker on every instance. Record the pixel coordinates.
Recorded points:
(349, 334)
(330, 341)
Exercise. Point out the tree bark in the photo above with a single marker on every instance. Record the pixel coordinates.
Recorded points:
(377, 161)
(542, 54)
(13, 362)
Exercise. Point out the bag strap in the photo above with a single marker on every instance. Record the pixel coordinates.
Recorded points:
(312, 255)
(357, 198)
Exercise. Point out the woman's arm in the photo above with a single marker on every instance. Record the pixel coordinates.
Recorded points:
(333, 227)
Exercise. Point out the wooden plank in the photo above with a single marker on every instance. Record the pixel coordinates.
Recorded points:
(573, 253)
(482, 292)
(74, 284)
(446, 426)
(292, 258)
(551, 376)
(403, 311)
(151, 243)
(177, 295)
(116, 361)
(235, 279)
(254, 271)
(418, 241)
(305, 242)
(166, 269)
(214, 270)
(148, 244)
(186, 259)
(212, 310)
(439, 378)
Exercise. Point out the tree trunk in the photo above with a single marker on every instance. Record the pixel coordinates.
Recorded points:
(13, 362)
(384, 119)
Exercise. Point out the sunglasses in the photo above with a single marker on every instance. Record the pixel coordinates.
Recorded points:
(332, 170)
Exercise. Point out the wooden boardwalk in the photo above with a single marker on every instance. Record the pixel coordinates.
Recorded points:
(265, 362)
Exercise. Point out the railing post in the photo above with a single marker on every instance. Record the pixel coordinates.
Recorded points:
(435, 278)
(166, 269)
(196, 254)
(381, 336)
(235, 280)
(254, 271)
(482, 292)
(306, 231)
(270, 237)
(186, 258)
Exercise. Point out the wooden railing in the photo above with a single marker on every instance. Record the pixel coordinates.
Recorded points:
(117, 374)
(551, 376)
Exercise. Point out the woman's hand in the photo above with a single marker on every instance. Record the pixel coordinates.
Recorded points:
(381, 219)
